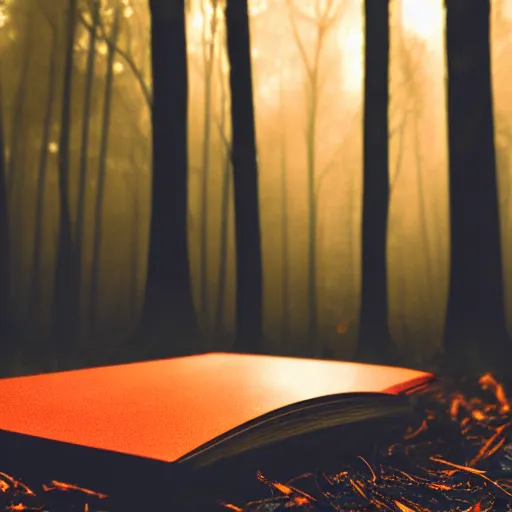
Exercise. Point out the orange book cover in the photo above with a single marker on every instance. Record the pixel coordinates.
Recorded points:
(113, 424)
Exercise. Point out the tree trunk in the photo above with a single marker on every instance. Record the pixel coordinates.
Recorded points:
(219, 326)
(84, 152)
(285, 287)
(249, 296)
(19, 104)
(6, 320)
(66, 307)
(35, 275)
(475, 320)
(16, 177)
(102, 170)
(134, 253)
(374, 337)
(323, 21)
(168, 308)
(208, 42)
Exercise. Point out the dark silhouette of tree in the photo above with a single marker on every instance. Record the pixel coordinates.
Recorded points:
(102, 171)
(168, 308)
(374, 337)
(16, 170)
(35, 270)
(249, 295)
(17, 124)
(219, 327)
(208, 39)
(5, 296)
(66, 293)
(475, 321)
(84, 150)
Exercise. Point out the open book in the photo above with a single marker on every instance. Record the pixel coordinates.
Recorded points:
(210, 420)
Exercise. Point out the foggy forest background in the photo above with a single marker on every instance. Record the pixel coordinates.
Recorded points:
(299, 52)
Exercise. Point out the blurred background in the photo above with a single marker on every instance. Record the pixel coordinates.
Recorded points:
(308, 74)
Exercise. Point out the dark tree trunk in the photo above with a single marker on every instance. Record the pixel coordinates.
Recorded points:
(102, 174)
(84, 150)
(374, 338)
(22, 87)
(475, 320)
(5, 296)
(16, 177)
(65, 310)
(35, 271)
(245, 172)
(169, 309)
(219, 329)
(208, 42)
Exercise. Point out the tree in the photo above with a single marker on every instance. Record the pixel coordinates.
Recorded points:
(475, 314)
(35, 270)
(208, 37)
(5, 309)
(374, 337)
(16, 166)
(102, 170)
(168, 309)
(84, 150)
(66, 293)
(285, 250)
(219, 328)
(249, 295)
(322, 19)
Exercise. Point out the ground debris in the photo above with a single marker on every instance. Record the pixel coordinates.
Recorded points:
(55, 497)
(456, 458)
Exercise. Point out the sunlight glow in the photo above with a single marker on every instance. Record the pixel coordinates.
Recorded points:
(3, 19)
(118, 67)
(351, 43)
(422, 17)
(102, 48)
(507, 8)
(257, 7)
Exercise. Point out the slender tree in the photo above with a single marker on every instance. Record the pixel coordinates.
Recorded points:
(102, 173)
(168, 308)
(84, 150)
(218, 326)
(249, 295)
(412, 51)
(374, 338)
(322, 20)
(16, 172)
(208, 46)
(19, 103)
(66, 307)
(35, 275)
(285, 262)
(475, 313)
(5, 296)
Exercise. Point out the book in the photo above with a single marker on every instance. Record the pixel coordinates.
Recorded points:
(212, 418)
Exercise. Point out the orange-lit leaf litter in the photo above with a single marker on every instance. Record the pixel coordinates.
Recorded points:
(457, 457)
(16, 496)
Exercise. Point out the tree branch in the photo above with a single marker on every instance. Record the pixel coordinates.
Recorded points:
(102, 36)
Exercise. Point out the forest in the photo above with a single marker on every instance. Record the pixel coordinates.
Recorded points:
(375, 203)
